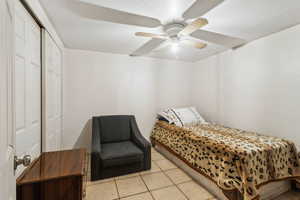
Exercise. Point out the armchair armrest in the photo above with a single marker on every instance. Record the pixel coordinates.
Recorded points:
(96, 144)
(95, 150)
(141, 142)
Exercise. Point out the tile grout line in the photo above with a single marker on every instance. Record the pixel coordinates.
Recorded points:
(150, 173)
(176, 185)
(147, 188)
(119, 197)
(153, 173)
(164, 187)
(171, 179)
(132, 195)
(179, 183)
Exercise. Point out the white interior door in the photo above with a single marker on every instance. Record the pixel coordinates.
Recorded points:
(27, 84)
(7, 178)
(52, 94)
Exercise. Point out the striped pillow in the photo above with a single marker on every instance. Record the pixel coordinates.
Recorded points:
(182, 116)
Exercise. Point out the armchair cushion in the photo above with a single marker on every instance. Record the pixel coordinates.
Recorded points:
(120, 153)
(114, 128)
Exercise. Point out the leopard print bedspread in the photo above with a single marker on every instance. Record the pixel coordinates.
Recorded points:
(233, 158)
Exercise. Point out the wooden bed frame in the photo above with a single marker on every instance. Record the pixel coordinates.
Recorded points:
(267, 191)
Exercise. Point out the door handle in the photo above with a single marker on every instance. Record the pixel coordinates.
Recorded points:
(26, 160)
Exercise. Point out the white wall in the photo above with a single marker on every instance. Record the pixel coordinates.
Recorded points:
(205, 88)
(255, 87)
(106, 84)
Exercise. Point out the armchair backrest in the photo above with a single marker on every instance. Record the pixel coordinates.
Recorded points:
(115, 128)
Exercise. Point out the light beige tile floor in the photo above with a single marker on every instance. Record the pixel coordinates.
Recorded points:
(127, 176)
(107, 191)
(172, 193)
(163, 182)
(192, 191)
(156, 180)
(178, 176)
(156, 156)
(142, 196)
(165, 164)
(131, 186)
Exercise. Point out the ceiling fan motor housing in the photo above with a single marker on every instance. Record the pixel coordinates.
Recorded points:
(173, 29)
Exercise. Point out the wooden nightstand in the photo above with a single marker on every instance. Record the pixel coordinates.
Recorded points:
(59, 175)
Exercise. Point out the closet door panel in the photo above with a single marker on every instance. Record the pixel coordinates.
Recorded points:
(52, 85)
(27, 84)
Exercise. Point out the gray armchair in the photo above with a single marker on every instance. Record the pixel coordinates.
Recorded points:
(118, 147)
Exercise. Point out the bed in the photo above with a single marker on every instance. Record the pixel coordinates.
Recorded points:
(231, 163)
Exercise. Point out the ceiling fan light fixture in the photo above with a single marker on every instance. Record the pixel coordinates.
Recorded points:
(175, 39)
(175, 46)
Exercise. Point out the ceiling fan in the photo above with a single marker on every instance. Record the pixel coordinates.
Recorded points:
(179, 32)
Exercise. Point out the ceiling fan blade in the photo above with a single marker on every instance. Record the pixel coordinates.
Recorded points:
(148, 47)
(198, 45)
(218, 38)
(152, 35)
(195, 25)
(111, 15)
(200, 7)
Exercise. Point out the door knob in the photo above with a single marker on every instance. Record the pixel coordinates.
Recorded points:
(26, 160)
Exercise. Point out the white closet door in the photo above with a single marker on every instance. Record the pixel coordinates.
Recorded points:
(7, 142)
(27, 84)
(52, 89)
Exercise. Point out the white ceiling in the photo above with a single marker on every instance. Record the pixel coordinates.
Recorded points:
(245, 19)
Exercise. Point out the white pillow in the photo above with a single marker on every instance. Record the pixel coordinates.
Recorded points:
(182, 116)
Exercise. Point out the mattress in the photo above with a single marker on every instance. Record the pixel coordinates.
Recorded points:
(232, 158)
